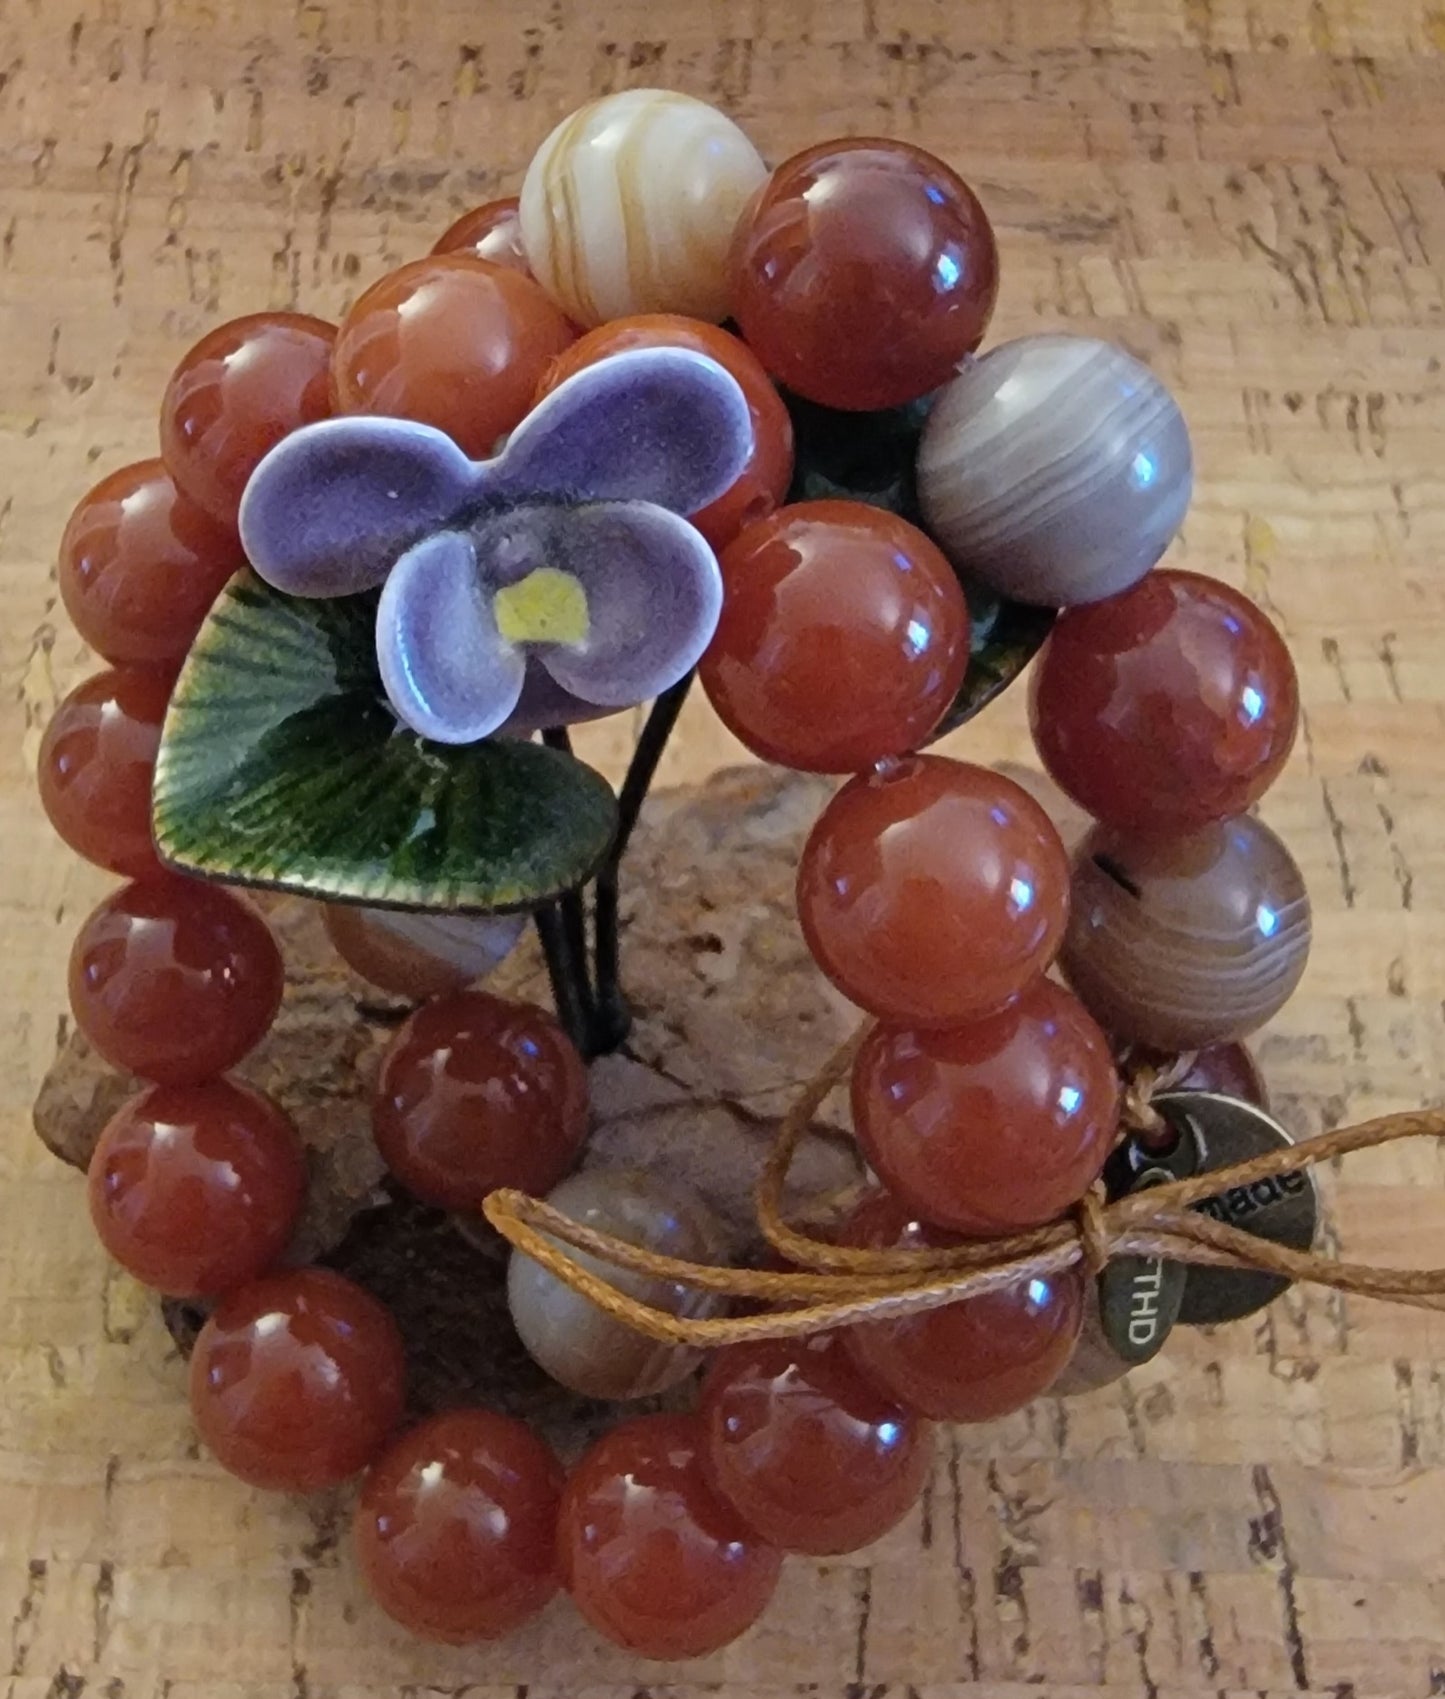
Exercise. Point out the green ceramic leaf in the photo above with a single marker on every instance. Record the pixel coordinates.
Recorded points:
(282, 764)
(1005, 637)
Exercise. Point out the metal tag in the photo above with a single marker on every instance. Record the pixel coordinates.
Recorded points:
(1216, 1132)
(1130, 1312)
(1140, 1297)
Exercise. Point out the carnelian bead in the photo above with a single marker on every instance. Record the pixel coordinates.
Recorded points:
(174, 979)
(1165, 708)
(993, 1127)
(235, 395)
(477, 1093)
(452, 341)
(843, 638)
(807, 1451)
(1227, 1069)
(97, 763)
(456, 1529)
(650, 1554)
(933, 892)
(974, 1359)
(764, 480)
(195, 1189)
(140, 565)
(490, 232)
(863, 273)
(298, 1380)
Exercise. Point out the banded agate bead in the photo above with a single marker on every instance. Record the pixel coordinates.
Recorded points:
(567, 1334)
(630, 204)
(420, 955)
(1056, 469)
(1185, 942)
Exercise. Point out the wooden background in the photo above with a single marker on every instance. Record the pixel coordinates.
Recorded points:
(1248, 193)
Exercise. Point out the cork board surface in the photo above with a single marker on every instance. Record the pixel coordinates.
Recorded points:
(1247, 193)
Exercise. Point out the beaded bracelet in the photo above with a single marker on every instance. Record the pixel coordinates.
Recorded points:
(349, 614)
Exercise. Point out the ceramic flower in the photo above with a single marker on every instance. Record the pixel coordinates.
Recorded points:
(555, 582)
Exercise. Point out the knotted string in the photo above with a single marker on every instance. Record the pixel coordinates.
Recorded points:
(831, 1286)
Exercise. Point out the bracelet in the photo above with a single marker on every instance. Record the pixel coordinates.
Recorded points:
(349, 614)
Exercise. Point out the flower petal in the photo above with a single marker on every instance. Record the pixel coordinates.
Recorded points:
(334, 505)
(446, 668)
(653, 593)
(663, 425)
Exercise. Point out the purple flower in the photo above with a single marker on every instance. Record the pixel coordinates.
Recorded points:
(555, 582)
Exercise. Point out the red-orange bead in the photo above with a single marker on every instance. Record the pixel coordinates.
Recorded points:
(298, 1380)
(1229, 1069)
(235, 395)
(651, 1556)
(456, 1530)
(174, 979)
(490, 232)
(764, 481)
(933, 893)
(477, 1093)
(1165, 708)
(973, 1360)
(863, 273)
(993, 1127)
(97, 763)
(140, 565)
(451, 341)
(843, 638)
(195, 1189)
(808, 1452)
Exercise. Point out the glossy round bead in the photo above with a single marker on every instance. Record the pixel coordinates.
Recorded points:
(567, 1334)
(764, 481)
(97, 763)
(195, 1189)
(452, 341)
(174, 979)
(1185, 942)
(973, 1360)
(456, 1529)
(933, 893)
(235, 395)
(1167, 707)
(994, 1127)
(298, 1380)
(1055, 469)
(630, 204)
(490, 232)
(477, 1093)
(843, 638)
(420, 955)
(863, 273)
(651, 1556)
(808, 1452)
(1227, 1069)
(140, 565)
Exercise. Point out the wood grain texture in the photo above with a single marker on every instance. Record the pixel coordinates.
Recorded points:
(1244, 192)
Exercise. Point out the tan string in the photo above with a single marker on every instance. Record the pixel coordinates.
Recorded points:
(834, 1285)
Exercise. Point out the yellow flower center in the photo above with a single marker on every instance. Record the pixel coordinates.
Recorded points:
(547, 606)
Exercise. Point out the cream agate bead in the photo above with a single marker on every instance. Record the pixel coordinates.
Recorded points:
(1056, 469)
(568, 1335)
(629, 206)
(420, 955)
